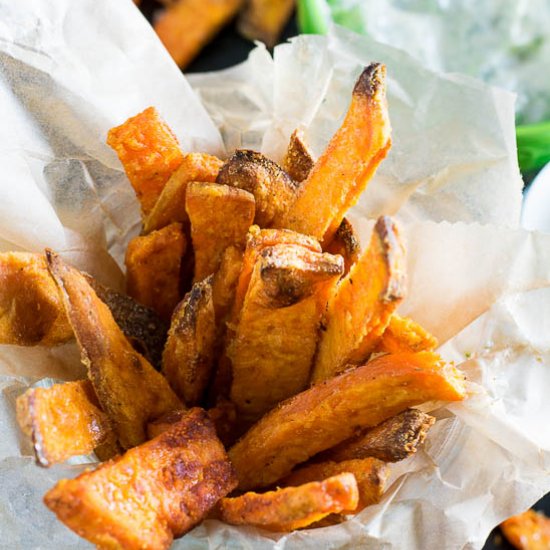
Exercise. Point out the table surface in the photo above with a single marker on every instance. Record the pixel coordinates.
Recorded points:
(229, 48)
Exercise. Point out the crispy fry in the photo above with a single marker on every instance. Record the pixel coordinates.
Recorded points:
(371, 476)
(265, 19)
(189, 353)
(276, 338)
(146, 331)
(363, 304)
(393, 440)
(333, 411)
(350, 160)
(149, 152)
(151, 494)
(63, 421)
(188, 25)
(298, 161)
(273, 189)
(293, 507)
(153, 265)
(225, 282)
(128, 388)
(170, 206)
(528, 531)
(346, 243)
(220, 217)
(36, 315)
(403, 334)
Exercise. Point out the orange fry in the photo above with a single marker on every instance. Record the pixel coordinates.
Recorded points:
(36, 315)
(349, 162)
(220, 217)
(527, 531)
(153, 265)
(224, 284)
(170, 206)
(293, 507)
(320, 418)
(63, 421)
(403, 334)
(188, 25)
(371, 476)
(298, 161)
(345, 243)
(128, 388)
(363, 304)
(153, 493)
(149, 152)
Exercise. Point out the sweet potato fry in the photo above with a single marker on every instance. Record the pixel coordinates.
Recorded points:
(225, 282)
(188, 25)
(363, 304)
(403, 334)
(350, 160)
(146, 331)
(265, 19)
(170, 206)
(293, 507)
(31, 311)
(63, 421)
(298, 161)
(527, 531)
(153, 265)
(151, 494)
(220, 217)
(371, 476)
(393, 440)
(275, 340)
(149, 152)
(128, 388)
(345, 243)
(331, 412)
(188, 357)
(273, 189)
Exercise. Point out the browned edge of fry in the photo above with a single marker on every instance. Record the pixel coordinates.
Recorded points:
(298, 160)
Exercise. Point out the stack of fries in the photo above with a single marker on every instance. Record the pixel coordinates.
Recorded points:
(258, 347)
(186, 26)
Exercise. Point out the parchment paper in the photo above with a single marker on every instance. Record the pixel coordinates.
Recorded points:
(70, 70)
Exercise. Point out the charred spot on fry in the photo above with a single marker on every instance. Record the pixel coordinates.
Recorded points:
(298, 160)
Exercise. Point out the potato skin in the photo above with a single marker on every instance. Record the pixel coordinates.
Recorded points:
(298, 161)
(64, 420)
(333, 411)
(293, 507)
(31, 311)
(153, 493)
(128, 388)
(149, 153)
(345, 243)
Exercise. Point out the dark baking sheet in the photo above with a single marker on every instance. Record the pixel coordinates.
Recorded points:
(229, 48)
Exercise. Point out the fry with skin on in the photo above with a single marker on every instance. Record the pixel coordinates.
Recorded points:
(343, 171)
(153, 493)
(220, 217)
(331, 412)
(403, 334)
(395, 439)
(149, 153)
(274, 343)
(298, 161)
(273, 189)
(128, 388)
(33, 317)
(527, 531)
(170, 206)
(188, 25)
(363, 303)
(153, 264)
(294, 507)
(64, 420)
(264, 20)
(346, 243)
(371, 476)
(188, 357)
(224, 283)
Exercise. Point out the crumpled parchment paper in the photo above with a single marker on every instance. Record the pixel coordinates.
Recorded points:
(69, 71)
